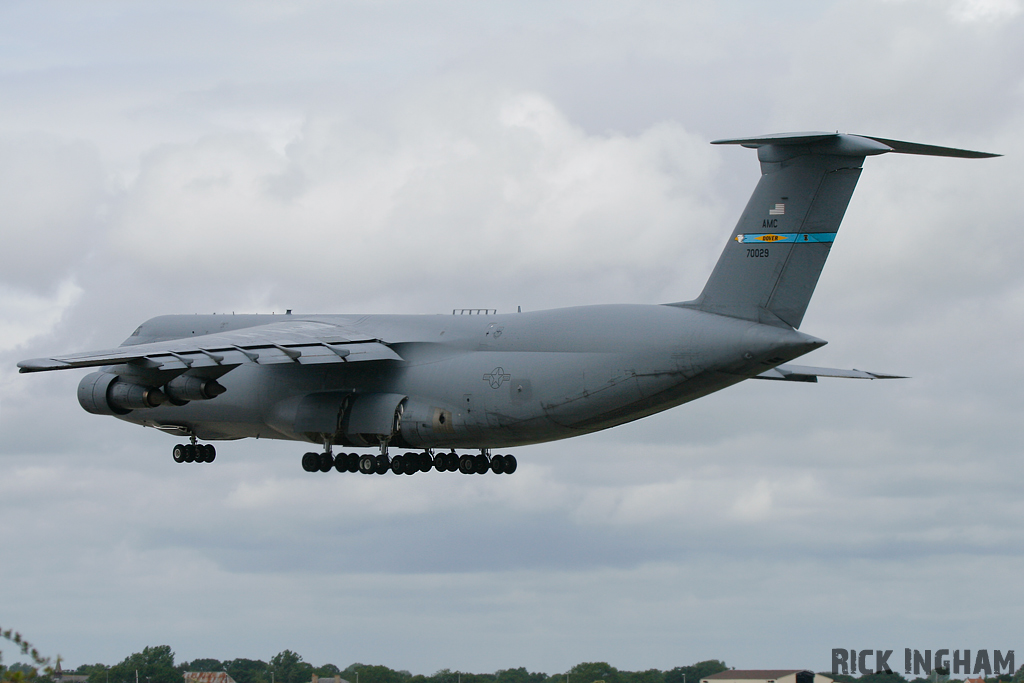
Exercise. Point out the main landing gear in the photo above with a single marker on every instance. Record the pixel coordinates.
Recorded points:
(410, 463)
(194, 452)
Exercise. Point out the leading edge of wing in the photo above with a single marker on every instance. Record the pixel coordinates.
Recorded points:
(301, 342)
(807, 373)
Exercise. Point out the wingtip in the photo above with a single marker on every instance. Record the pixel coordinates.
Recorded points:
(41, 365)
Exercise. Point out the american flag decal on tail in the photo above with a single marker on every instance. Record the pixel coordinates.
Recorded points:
(779, 210)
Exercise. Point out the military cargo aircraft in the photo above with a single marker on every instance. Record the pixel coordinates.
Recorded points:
(477, 381)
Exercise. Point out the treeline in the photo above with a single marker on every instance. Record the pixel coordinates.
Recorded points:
(157, 665)
(895, 677)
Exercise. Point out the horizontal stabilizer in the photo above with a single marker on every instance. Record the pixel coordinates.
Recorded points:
(806, 373)
(853, 145)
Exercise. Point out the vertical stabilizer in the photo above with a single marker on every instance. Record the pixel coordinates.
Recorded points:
(771, 264)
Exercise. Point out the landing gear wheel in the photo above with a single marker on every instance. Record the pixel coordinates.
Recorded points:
(510, 464)
(440, 462)
(383, 464)
(341, 462)
(311, 462)
(467, 464)
(367, 464)
(325, 462)
(353, 462)
(398, 464)
(481, 464)
(426, 462)
(211, 452)
(178, 453)
(190, 453)
(412, 463)
(451, 460)
(498, 464)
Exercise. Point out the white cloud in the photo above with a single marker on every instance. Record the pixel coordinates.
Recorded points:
(500, 174)
(984, 10)
(25, 315)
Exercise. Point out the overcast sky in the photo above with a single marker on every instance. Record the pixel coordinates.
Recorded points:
(365, 157)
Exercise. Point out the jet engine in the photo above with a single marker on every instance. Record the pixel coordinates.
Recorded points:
(185, 388)
(104, 393)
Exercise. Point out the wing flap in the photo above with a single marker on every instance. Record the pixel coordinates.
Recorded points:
(302, 343)
(807, 373)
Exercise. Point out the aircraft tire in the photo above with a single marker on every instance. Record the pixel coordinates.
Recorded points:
(367, 464)
(178, 453)
(482, 465)
(510, 464)
(310, 462)
(383, 464)
(426, 462)
(325, 462)
(190, 453)
(467, 464)
(341, 462)
(451, 460)
(211, 452)
(440, 462)
(353, 462)
(398, 464)
(498, 464)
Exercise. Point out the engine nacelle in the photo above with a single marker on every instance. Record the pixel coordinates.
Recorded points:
(185, 388)
(103, 393)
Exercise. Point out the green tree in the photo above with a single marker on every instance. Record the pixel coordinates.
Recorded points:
(520, 675)
(649, 676)
(327, 671)
(152, 665)
(20, 673)
(26, 648)
(376, 673)
(90, 669)
(590, 672)
(892, 677)
(247, 670)
(288, 667)
(441, 676)
(694, 672)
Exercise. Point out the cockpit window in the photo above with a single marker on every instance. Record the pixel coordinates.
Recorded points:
(137, 331)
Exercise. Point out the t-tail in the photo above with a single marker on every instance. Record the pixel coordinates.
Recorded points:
(771, 264)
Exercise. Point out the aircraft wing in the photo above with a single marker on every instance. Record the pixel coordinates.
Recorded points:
(806, 373)
(301, 342)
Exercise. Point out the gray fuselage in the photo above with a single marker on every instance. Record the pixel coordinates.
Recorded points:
(481, 381)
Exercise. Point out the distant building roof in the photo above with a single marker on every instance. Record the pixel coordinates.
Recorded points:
(208, 677)
(751, 674)
(334, 679)
(767, 676)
